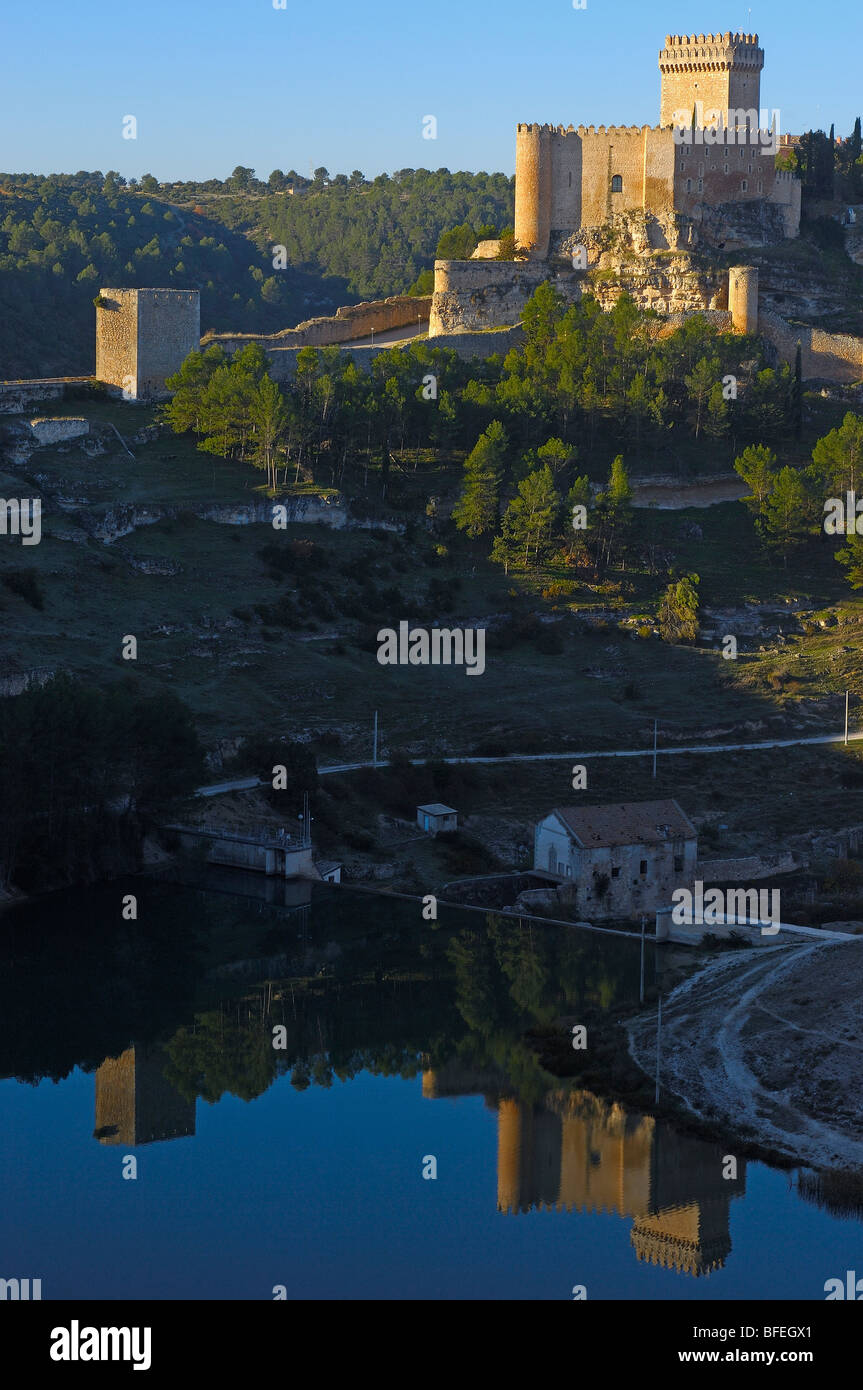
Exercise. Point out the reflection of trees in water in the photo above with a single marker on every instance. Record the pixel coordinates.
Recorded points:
(840, 1192)
(478, 993)
(523, 974)
(368, 987)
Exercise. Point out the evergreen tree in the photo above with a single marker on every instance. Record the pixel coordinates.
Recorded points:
(678, 612)
(476, 511)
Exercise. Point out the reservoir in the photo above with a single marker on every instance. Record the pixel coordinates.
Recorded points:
(300, 1168)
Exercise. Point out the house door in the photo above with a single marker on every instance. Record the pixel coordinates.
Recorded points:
(552, 859)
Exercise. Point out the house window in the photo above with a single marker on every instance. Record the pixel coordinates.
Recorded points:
(570, 178)
(689, 185)
(678, 863)
(725, 152)
(617, 183)
(749, 168)
(726, 168)
(760, 186)
(615, 873)
(643, 869)
(701, 185)
(700, 170)
(744, 185)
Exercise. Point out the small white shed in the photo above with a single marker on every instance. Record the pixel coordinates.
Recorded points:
(436, 817)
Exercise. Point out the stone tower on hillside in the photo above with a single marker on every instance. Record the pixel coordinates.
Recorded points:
(144, 336)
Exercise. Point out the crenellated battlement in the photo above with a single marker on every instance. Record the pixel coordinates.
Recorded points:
(699, 40)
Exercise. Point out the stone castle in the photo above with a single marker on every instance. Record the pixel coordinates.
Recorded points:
(710, 150)
(639, 205)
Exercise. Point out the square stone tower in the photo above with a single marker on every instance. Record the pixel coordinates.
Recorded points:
(722, 71)
(144, 336)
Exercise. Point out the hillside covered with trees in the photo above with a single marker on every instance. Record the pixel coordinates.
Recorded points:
(62, 237)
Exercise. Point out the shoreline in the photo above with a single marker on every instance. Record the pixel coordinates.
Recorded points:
(766, 1048)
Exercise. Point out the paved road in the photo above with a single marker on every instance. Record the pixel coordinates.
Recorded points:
(245, 783)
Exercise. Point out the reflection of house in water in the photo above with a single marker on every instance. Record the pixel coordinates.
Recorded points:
(134, 1102)
(575, 1152)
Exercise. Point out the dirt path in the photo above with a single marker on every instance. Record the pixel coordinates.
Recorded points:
(770, 1046)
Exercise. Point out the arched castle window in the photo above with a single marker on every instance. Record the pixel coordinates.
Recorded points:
(689, 185)
(744, 186)
(616, 183)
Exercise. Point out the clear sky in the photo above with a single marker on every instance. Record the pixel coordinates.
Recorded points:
(346, 83)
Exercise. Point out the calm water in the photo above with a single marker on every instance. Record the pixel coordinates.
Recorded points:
(303, 1166)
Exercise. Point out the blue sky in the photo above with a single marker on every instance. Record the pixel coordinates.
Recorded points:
(347, 83)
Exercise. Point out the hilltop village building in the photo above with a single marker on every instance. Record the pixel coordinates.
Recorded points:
(621, 860)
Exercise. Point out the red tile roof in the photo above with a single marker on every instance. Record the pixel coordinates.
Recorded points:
(627, 823)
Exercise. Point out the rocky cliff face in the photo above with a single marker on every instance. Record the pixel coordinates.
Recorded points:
(650, 258)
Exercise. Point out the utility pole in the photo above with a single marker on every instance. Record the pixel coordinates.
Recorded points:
(847, 693)
(376, 740)
(655, 743)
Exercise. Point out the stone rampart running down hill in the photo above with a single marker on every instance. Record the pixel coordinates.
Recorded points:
(349, 323)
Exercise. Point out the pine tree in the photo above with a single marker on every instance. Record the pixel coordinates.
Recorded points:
(476, 511)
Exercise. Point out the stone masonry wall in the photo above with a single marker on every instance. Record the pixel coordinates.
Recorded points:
(349, 322)
(117, 337)
(143, 336)
(169, 328)
(472, 295)
(826, 356)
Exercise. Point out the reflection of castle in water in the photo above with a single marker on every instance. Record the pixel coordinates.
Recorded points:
(575, 1152)
(134, 1102)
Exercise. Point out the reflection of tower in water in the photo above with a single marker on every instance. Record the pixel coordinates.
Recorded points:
(575, 1152)
(135, 1104)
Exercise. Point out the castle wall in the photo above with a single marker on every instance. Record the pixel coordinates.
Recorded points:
(349, 322)
(169, 328)
(478, 295)
(482, 294)
(18, 396)
(825, 356)
(117, 338)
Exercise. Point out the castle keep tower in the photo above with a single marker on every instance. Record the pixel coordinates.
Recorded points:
(721, 71)
(144, 336)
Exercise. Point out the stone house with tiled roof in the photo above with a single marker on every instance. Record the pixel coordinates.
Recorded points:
(619, 860)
